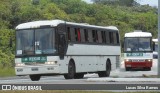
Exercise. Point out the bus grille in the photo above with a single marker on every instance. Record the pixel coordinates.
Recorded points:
(138, 60)
(34, 63)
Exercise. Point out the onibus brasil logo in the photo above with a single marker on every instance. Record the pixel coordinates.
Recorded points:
(21, 87)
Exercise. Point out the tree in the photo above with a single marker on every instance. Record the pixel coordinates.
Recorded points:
(117, 2)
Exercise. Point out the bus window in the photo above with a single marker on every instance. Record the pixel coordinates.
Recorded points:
(103, 37)
(76, 34)
(99, 37)
(117, 37)
(90, 37)
(82, 35)
(86, 35)
(114, 38)
(111, 37)
(94, 34)
(107, 37)
(72, 34)
(69, 34)
(79, 34)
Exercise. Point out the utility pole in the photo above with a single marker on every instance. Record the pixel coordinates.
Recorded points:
(158, 39)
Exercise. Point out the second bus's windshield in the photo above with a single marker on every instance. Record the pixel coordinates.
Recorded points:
(137, 44)
(38, 41)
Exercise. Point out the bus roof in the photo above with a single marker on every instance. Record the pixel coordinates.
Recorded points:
(53, 23)
(138, 34)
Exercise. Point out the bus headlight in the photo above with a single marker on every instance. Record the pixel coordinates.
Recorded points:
(20, 64)
(51, 62)
(128, 60)
(148, 60)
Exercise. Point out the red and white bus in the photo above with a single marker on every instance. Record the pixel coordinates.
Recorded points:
(138, 51)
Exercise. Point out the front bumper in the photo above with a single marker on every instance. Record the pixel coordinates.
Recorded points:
(29, 70)
(138, 64)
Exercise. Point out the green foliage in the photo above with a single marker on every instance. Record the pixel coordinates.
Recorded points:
(117, 2)
(122, 14)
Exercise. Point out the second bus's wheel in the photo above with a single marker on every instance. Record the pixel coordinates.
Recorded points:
(35, 77)
(107, 72)
(71, 71)
(79, 75)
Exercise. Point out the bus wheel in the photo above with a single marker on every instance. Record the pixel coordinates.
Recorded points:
(107, 72)
(128, 68)
(71, 71)
(35, 77)
(79, 75)
(108, 69)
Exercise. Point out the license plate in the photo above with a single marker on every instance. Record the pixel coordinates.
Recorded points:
(34, 69)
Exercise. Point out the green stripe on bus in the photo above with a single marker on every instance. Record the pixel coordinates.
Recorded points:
(134, 54)
(34, 59)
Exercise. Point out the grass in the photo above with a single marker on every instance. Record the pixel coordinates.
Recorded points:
(6, 72)
(67, 91)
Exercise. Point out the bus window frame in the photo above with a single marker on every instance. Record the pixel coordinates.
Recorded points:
(137, 51)
(34, 55)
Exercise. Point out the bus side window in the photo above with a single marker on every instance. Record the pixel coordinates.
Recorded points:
(76, 34)
(82, 35)
(95, 36)
(99, 37)
(114, 38)
(103, 37)
(107, 37)
(111, 37)
(90, 37)
(79, 34)
(86, 35)
(117, 36)
(73, 39)
(69, 34)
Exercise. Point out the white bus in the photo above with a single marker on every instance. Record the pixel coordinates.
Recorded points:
(138, 51)
(155, 48)
(65, 48)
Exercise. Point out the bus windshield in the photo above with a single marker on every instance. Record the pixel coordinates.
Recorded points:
(35, 41)
(137, 44)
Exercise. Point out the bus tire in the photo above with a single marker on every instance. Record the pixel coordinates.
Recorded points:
(108, 69)
(107, 72)
(79, 75)
(35, 77)
(71, 71)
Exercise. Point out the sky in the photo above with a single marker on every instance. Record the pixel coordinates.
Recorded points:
(142, 2)
(150, 2)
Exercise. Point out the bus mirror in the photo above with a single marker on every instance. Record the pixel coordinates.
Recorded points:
(61, 47)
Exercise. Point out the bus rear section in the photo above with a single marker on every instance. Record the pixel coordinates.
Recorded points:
(138, 51)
